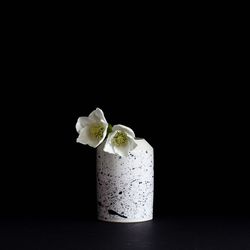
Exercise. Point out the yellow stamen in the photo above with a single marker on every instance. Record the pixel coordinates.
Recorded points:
(120, 139)
(96, 130)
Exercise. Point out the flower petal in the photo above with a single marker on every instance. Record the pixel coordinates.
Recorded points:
(97, 115)
(132, 143)
(82, 122)
(85, 139)
(122, 150)
(123, 128)
(108, 146)
(104, 132)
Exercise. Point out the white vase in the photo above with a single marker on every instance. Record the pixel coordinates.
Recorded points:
(125, 185)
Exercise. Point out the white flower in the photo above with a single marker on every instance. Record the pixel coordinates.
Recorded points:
(120, 141)
(93, 129)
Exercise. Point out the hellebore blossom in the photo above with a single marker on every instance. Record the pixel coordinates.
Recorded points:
(120, 141)
(92, 129)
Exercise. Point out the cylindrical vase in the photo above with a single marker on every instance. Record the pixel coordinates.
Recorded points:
(125, 185)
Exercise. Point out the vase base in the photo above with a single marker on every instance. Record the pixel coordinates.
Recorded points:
(125, 221)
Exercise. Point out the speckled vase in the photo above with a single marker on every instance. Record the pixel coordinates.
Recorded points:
(125, 185)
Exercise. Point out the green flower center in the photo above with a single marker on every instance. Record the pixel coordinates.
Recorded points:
(120, 139)
(96, 130)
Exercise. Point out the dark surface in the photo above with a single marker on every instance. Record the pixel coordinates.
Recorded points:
(169, 233)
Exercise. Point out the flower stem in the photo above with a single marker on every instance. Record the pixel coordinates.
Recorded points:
(109, 129)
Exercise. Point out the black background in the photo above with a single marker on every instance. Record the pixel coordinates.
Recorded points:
(167, 98)
(169, 83)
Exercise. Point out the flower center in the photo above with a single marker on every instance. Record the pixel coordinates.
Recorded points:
(96, 130)
(120, 139)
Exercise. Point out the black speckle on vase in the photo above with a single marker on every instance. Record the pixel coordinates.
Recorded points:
(115, 213)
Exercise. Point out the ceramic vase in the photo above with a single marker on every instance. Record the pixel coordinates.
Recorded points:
(125, 185)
